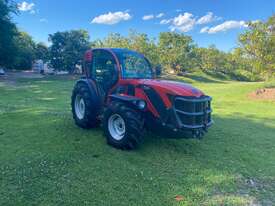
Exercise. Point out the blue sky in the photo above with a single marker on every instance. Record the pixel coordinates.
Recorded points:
(208, 21)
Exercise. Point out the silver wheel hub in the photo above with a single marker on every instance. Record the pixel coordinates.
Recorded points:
(79, 106)
(116, 126)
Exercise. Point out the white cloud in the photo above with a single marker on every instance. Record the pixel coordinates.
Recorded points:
(160, 15)
(183, 23)
(227, 25)
(208, 18)
(204, 29)
(148, 17)
(25, 6)
(152, 16)
(112, 18)
(165, 21)
(43, 20)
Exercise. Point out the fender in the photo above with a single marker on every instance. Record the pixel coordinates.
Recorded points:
(130, 100)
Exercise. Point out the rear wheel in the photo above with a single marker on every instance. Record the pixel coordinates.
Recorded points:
(123, 126)
(84, 107)
(79, 106)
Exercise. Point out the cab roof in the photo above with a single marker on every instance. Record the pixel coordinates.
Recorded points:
(118, 50)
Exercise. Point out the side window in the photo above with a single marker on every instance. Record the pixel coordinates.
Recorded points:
(104, 69)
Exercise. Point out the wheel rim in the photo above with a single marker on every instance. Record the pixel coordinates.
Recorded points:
(79, 106)
(116, 126)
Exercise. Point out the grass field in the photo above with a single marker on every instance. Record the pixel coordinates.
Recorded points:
(46, 160)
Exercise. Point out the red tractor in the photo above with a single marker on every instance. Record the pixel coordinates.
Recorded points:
(120, 90)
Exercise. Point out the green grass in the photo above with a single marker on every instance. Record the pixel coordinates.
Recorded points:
(47, 160)
(270, 84)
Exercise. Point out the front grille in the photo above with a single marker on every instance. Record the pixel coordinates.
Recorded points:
(192, 112)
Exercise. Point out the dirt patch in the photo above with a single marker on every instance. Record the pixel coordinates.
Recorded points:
(266, 94)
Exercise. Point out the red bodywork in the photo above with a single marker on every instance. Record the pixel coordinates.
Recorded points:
(162, 87)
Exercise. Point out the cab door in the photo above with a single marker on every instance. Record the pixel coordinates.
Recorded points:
(104, 70)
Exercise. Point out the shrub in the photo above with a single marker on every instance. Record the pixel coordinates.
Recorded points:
(270, 84)
(244, 75)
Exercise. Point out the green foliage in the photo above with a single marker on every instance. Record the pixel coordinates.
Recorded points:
(233, 64)
(114, 40)
(258, 45)
(143, 44)
(269, 84)
(178, 54)
(41, 52)
(67, 49)
(254, 60)
(25, 51)
(176, 51)
(135, 41)
(17, 49)
(7, 32)
(212, 60)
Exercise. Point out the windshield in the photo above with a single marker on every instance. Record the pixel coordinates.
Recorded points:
(134, 65)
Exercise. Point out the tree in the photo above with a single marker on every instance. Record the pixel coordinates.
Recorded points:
(136, 41)
(116, 40)
(142, 43)
(7, 32)
(41, 52)
(212, 60)
(67, 49)
(25, 51)
(176, 51)
(258, 44)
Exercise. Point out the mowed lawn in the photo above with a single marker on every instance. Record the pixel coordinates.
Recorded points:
(46, 160)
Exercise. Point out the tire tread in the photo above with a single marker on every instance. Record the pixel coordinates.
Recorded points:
(91, 111)
(134, 126)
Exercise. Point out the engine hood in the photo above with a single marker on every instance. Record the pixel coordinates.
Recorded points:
(173, 87)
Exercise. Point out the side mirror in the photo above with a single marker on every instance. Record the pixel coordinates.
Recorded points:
(158, 70)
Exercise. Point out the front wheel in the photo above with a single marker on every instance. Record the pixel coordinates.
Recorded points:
(123, 126)
(84, 107)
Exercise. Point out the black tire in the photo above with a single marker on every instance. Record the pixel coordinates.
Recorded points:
(90, 117)
(134, 126)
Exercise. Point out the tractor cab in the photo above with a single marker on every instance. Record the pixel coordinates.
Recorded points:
(107, 66)
(120, 90)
